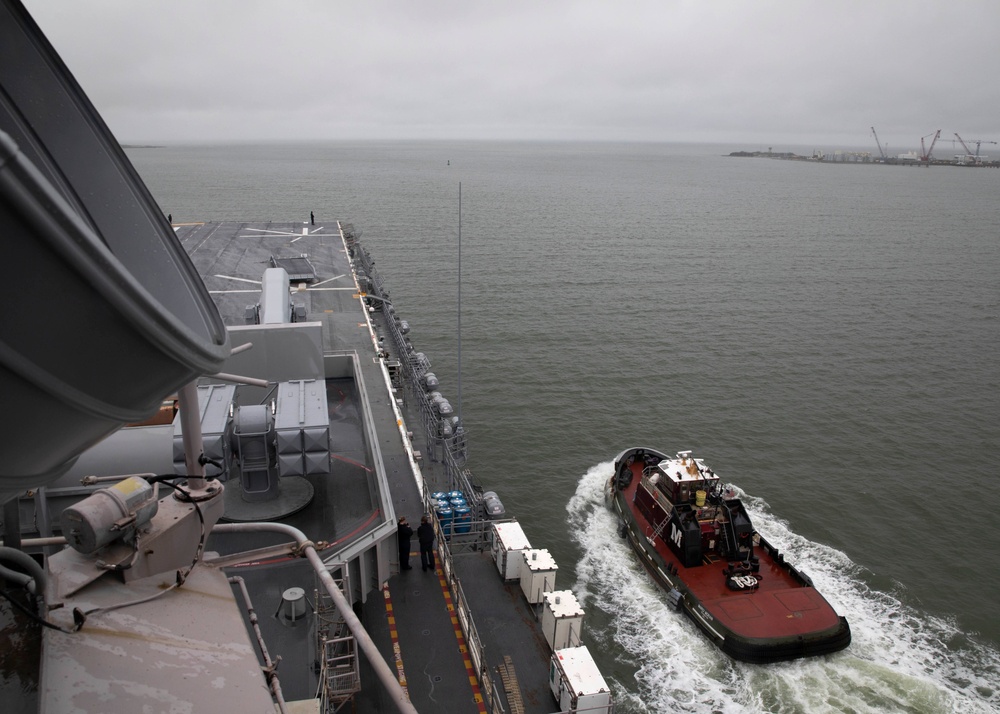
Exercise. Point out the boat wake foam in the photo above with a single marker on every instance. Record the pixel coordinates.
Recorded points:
(899, 660)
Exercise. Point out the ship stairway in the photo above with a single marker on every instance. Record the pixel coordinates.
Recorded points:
(658, 531)
(728, 533)
(340, 676)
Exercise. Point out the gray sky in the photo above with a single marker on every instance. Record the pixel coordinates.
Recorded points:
(760, 72)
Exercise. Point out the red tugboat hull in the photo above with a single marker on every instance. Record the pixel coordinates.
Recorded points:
(699, 545)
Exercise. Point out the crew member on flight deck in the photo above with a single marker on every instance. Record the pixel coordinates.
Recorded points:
(403, 533)
(425, 534)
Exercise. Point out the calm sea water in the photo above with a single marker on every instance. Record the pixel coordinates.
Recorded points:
(825, 336)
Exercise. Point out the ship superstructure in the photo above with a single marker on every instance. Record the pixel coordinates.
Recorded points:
(214, 429)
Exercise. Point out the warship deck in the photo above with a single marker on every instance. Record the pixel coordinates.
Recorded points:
(306, 423)
(411, 615)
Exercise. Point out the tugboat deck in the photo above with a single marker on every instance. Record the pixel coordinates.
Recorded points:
(778, 602)
(734, 584)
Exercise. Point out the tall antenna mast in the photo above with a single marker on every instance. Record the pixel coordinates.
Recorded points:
(459, 303)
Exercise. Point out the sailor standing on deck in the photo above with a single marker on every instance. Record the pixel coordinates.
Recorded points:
(403, 533)
(425, 534)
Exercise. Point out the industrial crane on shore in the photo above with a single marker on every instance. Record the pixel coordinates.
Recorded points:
(925, 155)
(884, 157)
(981, 141)
(967, 151)
(975, 158)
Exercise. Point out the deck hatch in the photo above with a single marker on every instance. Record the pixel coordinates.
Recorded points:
(797, 600)
(740, 609)
(299, 269)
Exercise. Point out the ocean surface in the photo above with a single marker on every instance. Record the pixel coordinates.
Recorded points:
(825, 336)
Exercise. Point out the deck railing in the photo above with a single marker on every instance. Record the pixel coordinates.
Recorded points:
(450, 451)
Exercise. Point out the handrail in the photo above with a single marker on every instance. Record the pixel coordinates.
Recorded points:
(454, 448)
(365, 641)
(269, 665)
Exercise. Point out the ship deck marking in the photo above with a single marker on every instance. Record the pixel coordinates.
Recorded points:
(394, 635)
(470, 668)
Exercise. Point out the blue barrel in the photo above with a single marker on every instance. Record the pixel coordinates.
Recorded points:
(439, 496)
(463, 519)
(457, 502)
(442, 503)
(445, 516)
(455, 494)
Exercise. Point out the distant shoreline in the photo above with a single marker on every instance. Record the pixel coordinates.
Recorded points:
(768, 154)
(865, 157)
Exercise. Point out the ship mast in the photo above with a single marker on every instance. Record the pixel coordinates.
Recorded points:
(459, 411)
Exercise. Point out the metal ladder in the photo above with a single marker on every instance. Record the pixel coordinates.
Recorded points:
(658, 531)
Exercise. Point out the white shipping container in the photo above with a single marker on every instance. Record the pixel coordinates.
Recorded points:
(538, 574)
(562, 619)
(577, 683)
(509, 542)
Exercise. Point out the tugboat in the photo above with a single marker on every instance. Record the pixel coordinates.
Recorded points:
(695, 538)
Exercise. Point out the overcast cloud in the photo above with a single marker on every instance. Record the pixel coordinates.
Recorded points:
(761, 72)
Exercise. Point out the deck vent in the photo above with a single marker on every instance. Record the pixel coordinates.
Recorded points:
(293, 605)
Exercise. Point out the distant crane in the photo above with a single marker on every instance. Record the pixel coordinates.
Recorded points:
(968, 152)
(925, 155)
(978, 142)
(884, 157)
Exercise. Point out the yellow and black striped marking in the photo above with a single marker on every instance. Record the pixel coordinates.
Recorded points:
(470, 669)
(394, 636)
